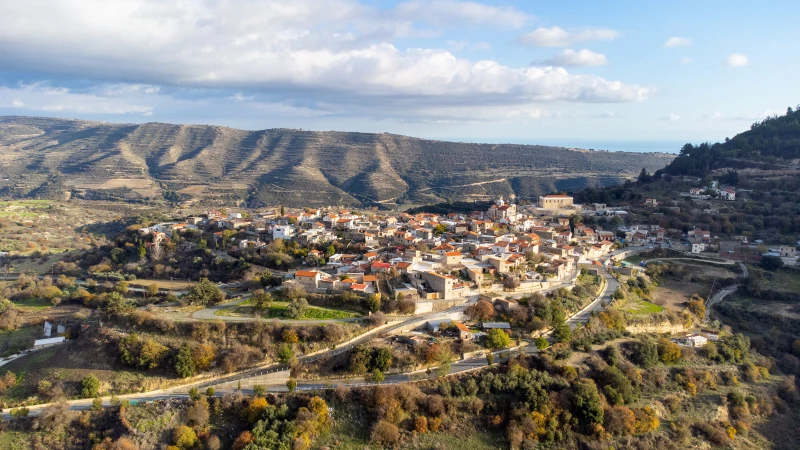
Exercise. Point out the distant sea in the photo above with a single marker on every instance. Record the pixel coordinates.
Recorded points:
(632, 145)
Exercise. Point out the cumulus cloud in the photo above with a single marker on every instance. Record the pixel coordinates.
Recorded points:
(736, 60)
(45, 98)
(671, 118)
(583, 57)
(285, 55)
(559, 37)
(676, 41)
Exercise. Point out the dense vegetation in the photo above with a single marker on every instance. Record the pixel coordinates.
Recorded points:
(766, 144)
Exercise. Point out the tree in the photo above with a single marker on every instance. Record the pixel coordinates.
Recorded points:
(421, 424)
(440, 229)
(210, 392)
(205, 293)
(152, 290)
(203, 355)
(561, 331)
(197, 414)
(497, 338)
(291, 384)
(541, 343)
(296, 308)
(668, 351)
(359, 361)
(261, 300)
(184, 363)
(382, 359)
(376, 376)
(290, 336)
(242, 441)
(645, 353)
(644, 177)
(256, 408)
(285, 353)
(771, 263)
(481, 311)
(90, 386)
(620, 421)
(586, 404)
(184, 437)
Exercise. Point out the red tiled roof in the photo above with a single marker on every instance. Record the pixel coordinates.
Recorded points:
(306, 273)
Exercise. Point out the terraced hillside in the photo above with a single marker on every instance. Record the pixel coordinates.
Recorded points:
(57, 157)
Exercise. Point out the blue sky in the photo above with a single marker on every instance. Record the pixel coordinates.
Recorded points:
(509, 71)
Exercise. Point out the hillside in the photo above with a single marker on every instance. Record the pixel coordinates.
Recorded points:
(772, 144)
(49, 158)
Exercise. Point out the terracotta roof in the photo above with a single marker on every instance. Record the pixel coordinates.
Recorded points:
(358, 287)
(453, 253)
(306, 273)
(370, 278)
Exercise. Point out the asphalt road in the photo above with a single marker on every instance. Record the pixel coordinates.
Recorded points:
(180, 392)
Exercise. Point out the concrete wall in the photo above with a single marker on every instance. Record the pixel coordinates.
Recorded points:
(270, 378)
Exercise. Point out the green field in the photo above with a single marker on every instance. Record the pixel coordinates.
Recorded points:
(15, 440)
(277, 310)
(32, 304)
(783, 280)
(639, 306)
(13, 341)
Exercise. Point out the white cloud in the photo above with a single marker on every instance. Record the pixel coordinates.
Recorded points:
(671, 118)
(736, 60)
(583, 57)
(716, 115)
(280, 57)
(558, 37)
(685, 60)
(45, 98)
(676, 41)
(445, 12)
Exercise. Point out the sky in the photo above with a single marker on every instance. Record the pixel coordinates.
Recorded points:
(483, 71)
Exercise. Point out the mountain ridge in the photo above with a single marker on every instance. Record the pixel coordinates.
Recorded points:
(50, 157)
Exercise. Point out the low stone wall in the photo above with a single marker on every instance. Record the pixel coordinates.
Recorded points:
(664, 327)
(267, 378)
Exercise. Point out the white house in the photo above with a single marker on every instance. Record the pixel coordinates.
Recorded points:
(282, 232)
(727, 194)
(698, 247)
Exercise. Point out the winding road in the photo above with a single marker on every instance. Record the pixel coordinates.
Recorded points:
(180, 392)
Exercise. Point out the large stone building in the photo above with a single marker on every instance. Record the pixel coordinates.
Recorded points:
(555, 201)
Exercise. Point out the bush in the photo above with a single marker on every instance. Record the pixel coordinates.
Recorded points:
(497, 338)
(184, 437)
(90, 387)
(385, 434)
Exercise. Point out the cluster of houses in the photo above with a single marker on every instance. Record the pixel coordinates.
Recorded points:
(426, 256)
(704, 193)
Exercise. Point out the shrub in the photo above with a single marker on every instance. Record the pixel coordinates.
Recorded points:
(90, 386)
(385, 434)
(184, 437)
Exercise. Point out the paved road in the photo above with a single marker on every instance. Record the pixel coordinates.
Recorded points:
(457, 367)
(605, 298)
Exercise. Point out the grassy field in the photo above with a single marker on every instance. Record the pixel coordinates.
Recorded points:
(639, 306)
(13, 341)
(783, 280)
(278, 311)
(15, 440)
(162, 284)
(68, 364)
(32, 304)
